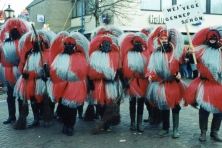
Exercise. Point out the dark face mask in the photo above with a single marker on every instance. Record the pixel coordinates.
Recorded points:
(36, 46)
(165, 47)
(69, 48)
(213, 45)
(138, 47)
(15, 35)
(105, 47)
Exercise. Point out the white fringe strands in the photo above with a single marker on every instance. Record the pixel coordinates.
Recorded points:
(17, 93)
(23, 40)
(100, 61)
(205, 105)
(112, 91)
(178, 42)
(159, 64)
(9, 51)
(39, 85)
(82, 42)
(61, 65)
(112, 29)
(49, 89)
(213, 64)
(15, 72)
(47, 36)
(34, 63)
(156, 94)
(136, 62)
(2, 76)
(71, 104)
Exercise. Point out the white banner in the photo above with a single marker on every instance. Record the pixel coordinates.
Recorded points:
(186, 13)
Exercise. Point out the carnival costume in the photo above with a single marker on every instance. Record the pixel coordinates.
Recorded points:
(134, 55)
(104, 62)
(165, 90)
(33, 65)
(113, 33)
(10, 35)
(206, 90)
(68, 71)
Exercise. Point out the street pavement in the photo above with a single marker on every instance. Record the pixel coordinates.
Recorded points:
(119, 137)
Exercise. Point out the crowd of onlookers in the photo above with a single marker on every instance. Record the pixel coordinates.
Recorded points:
(187, 65)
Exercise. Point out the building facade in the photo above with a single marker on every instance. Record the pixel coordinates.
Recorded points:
(146, 13)
(50, 12)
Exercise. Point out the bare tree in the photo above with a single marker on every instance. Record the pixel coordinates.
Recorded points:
(122, 9)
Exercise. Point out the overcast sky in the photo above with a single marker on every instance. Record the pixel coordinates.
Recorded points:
(16, 5)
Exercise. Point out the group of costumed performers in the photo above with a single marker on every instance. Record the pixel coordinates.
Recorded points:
(165, 88)
(68, 71)
(43, 68)
(154, 113)
(34, 70)
(134, 55)
(104, 63)
(206, 90)
(11, 33)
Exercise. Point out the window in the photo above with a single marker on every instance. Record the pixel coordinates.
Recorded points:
(77, 11)
(155, 5)
(216, 7)
(208, 6)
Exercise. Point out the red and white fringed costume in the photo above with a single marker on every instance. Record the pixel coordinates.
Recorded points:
(164, 91)
(32, 61)
(103, 67)
(14, 28)
(206, 90)
(134, 62)
(69, 66)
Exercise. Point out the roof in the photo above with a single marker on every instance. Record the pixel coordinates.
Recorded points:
(33, 3)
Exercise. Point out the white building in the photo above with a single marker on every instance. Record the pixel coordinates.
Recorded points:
(148, 13)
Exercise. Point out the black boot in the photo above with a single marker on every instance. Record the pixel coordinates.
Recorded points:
(215, 126)
(166, 123)
(175, 126)
(139, 123)
(203, 122)
(11, 106)
(80, 111)
(140, 106)
(64, 129)
(133, 124)
(157, 116)
(35, 111)
(97, 112)
(71, 120)
(132, 109)
(150, 113)
(70, 131)
(35, 123)
(10, 120)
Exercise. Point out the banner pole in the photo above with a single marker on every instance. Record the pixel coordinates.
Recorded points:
(191, 45)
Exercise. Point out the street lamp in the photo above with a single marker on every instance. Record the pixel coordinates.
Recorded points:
(9, 12)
